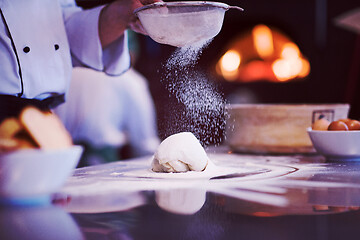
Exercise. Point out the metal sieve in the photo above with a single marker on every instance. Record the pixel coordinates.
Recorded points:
(183, 23)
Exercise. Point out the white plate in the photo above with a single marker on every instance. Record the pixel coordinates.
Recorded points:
(336, 145)
(36, 173)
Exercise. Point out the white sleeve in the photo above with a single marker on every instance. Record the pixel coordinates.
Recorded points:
(83, 36)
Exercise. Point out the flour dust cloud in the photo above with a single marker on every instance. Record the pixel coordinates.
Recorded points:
(200, 107)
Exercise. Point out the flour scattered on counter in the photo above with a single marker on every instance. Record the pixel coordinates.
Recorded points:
(202, 109)
(180, 152)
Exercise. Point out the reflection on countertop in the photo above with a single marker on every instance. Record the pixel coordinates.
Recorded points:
(37, 222)
(277, 197)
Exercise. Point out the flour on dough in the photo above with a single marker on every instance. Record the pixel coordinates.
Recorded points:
(180, 152)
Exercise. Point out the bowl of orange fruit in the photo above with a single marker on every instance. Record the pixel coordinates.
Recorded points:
(336, 140)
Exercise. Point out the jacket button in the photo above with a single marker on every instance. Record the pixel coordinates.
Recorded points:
(26, 49)
(56, 46)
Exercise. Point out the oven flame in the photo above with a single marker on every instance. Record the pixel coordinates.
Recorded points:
(263, 54)
(229, 64)
(290, 51)
(263, 41)
(290, 65)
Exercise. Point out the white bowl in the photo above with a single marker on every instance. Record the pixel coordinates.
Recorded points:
(336, 145)
(36, 173)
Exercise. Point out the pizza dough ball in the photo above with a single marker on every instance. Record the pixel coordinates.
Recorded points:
(180, 152)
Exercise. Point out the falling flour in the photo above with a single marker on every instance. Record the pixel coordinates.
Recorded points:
(201, 109)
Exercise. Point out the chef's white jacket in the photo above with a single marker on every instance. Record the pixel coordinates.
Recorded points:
(41, 40)
(110, 111)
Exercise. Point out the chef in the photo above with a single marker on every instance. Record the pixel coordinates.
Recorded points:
(41, 40)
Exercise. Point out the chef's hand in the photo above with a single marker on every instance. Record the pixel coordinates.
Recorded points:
(117, 16)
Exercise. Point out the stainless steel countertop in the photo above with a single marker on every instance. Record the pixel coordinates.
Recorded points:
(273, 197)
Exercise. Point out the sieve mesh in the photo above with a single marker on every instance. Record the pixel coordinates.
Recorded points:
(182, 23)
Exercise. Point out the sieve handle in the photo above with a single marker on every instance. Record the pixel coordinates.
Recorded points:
(236, 7)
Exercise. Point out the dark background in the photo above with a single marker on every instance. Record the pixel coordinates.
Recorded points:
(333, 52)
